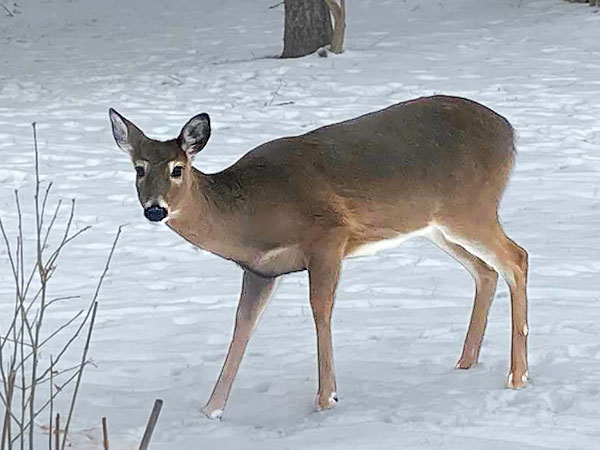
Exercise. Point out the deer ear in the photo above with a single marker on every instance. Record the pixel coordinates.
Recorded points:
(126, 134)
(194, 134)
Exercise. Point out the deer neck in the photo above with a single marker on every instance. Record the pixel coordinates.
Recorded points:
(199, 216)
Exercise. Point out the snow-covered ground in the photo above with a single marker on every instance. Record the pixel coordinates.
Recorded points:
(167, 310)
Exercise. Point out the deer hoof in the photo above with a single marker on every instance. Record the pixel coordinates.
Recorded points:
(327, 402)
(465, 364)
(516, 381)
(212, 413)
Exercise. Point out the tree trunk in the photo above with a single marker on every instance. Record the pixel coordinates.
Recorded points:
(339, 14)
(307, 27)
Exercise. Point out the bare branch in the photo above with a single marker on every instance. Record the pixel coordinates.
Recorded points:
(19, 342)
(57, 428)
(51, 403)
(8, 414)
(42, 380)
(43, 212)
(52, 259)
(79, 375)
(52, 221)
(151, 424)
(60, 299)
(105, 434)
(95, 297)
(62, 327)
(58, 390)
(9, 14)
(23, 340)
(43, 281)
(8, 249)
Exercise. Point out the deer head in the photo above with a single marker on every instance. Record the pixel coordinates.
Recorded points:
(164, 170)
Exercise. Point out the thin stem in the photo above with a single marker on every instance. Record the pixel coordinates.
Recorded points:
(44, 203)
(79, 375)
(52, 220)
(7, 415)
(42, 275)
(51, 403)
(105, 433)
(57, 436)
(58, 390)
(91, 326)
(151, 424)
(9, 14)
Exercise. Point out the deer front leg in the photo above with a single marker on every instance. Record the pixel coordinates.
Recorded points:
(256, 292)
(323, 277)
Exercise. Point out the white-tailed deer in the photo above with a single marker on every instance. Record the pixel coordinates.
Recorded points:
(434, 166)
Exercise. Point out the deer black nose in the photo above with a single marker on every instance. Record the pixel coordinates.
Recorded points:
(155, 213)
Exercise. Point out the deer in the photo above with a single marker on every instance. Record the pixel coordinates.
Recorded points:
(434, 167)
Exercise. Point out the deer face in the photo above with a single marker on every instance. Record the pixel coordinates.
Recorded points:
(164, 170)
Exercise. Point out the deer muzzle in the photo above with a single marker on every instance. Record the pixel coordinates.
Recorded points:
(155, 213)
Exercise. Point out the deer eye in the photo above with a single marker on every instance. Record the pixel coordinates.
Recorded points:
(176, 173)
(140, 171)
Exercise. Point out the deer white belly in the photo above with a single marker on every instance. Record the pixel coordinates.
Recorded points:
(373, 247)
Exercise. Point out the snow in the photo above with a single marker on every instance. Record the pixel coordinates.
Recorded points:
(167, 310)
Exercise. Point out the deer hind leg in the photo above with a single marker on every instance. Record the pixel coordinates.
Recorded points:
(256, 292)
(323, 272)
(491, 244)
(486, 280)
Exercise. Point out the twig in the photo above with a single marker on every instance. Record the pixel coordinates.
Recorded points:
(275, 93)
(22, 355)
(8, 249)
(105, 434)
(57, 430)
(95, 297)
(63, 371)
(17, 363)
(56, 253)
(59, 389)
(51, 224)
(79, 375)
(8, 409)
(46, 194)
(18, 346)
(51, 403)
(151, 424)
(275, 5)
(87, 342)
(43, 280)
(7, 426)
(62, 327)
(52, 220)
(72, 338)
(10, 14)
(20, 341)
(59, 299)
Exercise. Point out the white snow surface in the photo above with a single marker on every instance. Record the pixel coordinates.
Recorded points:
(166, 310)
